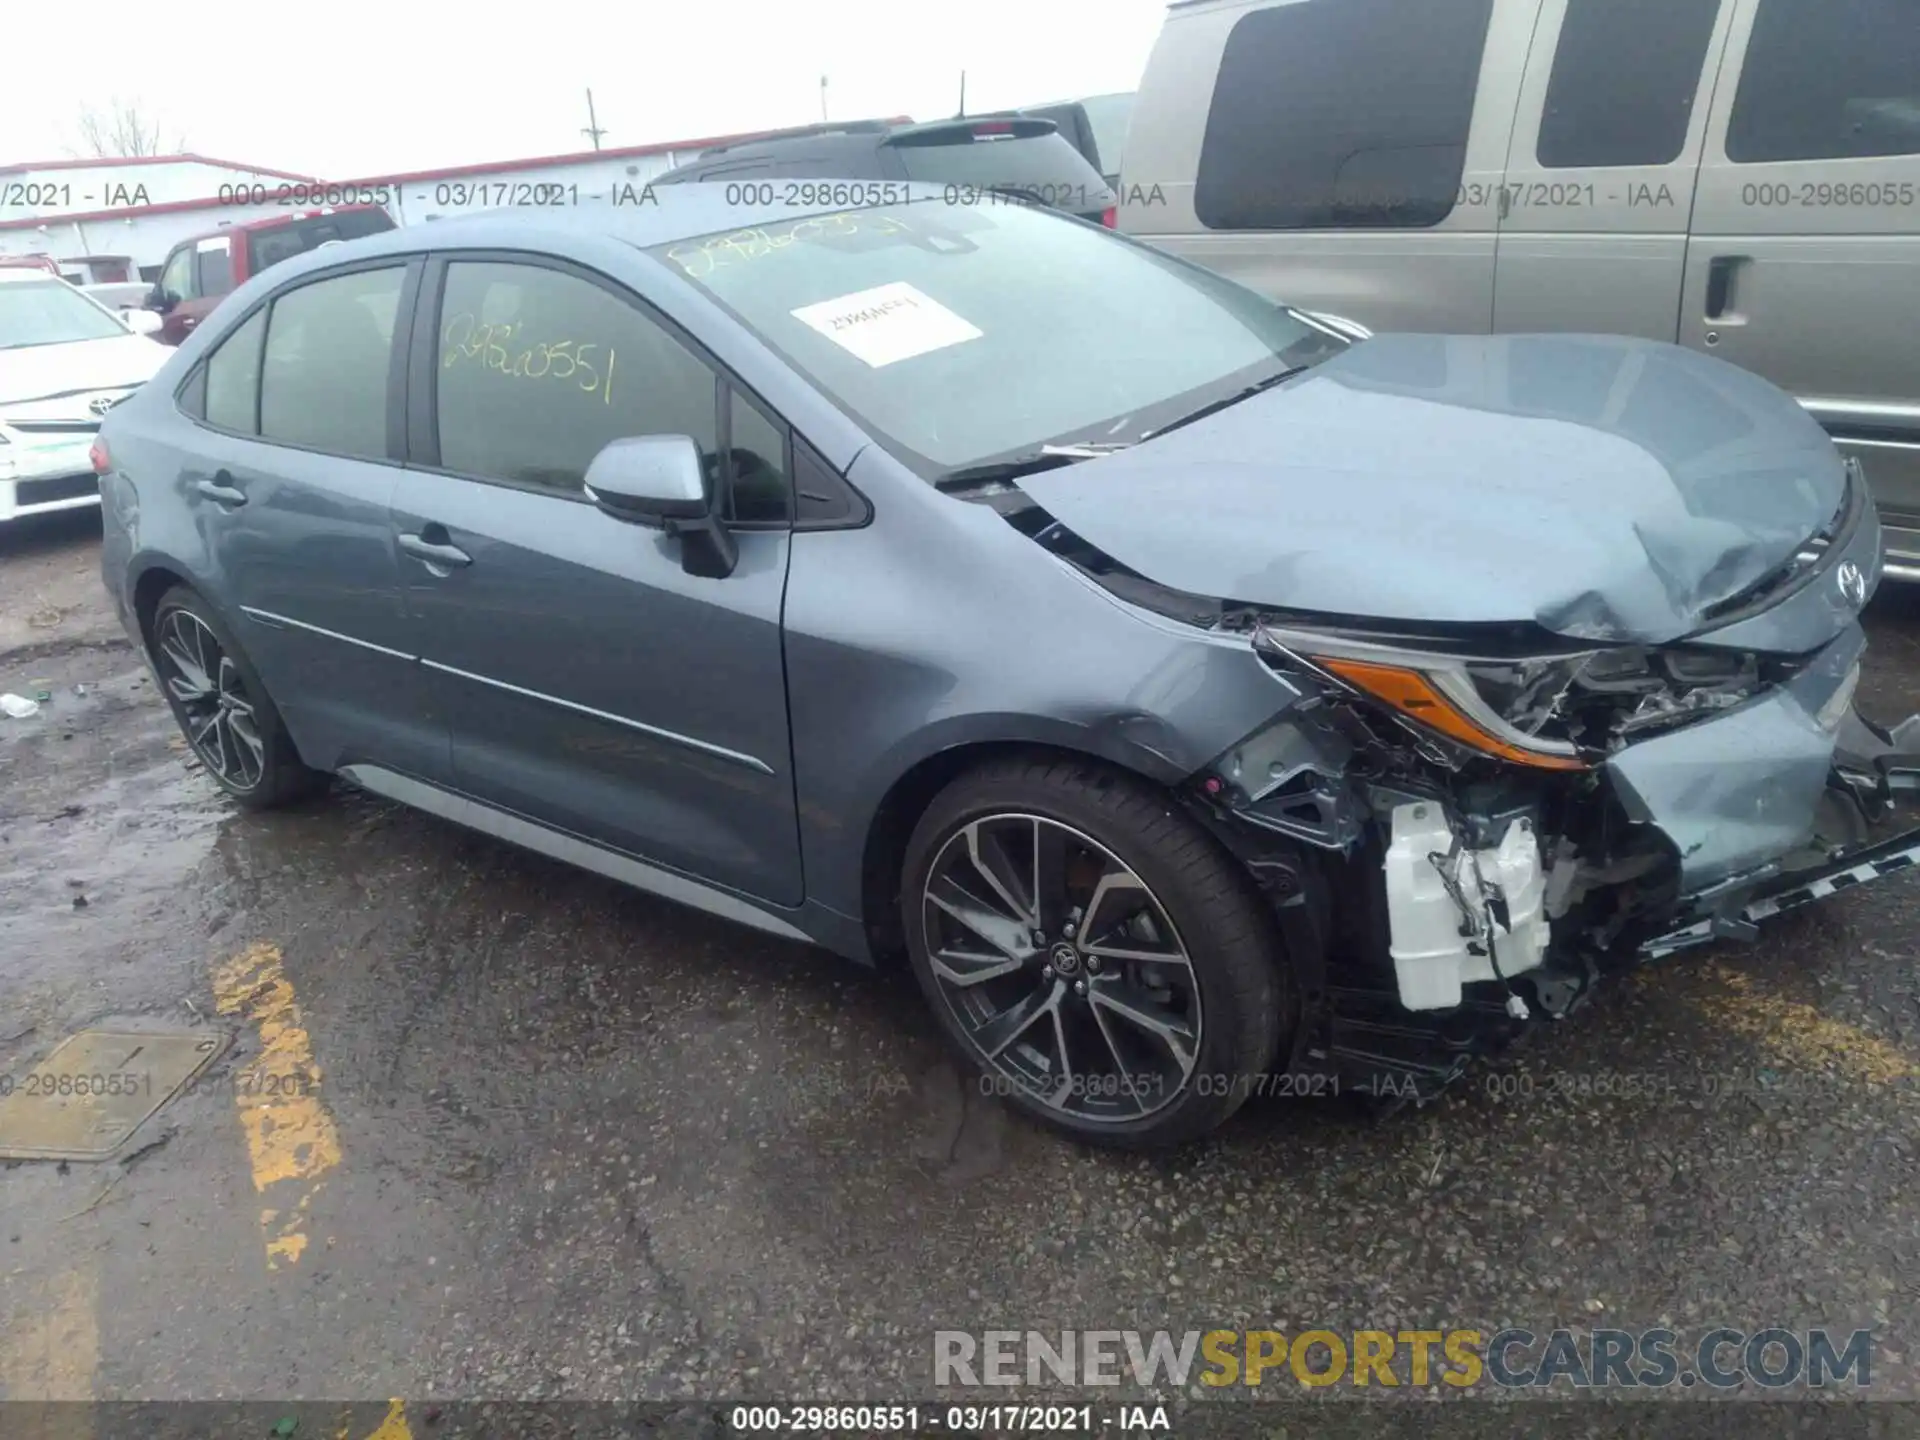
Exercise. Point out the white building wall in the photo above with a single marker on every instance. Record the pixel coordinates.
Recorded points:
(78, 188)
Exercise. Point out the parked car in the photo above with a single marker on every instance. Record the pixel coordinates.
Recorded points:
(1739, 176)
(1095, 125)
(128, 300)
(64, 361)
(200, 272)
(1187, 691)
(973, 159)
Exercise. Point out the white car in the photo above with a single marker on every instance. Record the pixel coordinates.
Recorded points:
(128, 300)
(65, 360)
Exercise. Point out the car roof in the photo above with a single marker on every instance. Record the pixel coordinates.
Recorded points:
(9, 273)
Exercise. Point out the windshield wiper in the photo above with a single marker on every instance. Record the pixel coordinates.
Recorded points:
(1034, 462)
(1216, 406)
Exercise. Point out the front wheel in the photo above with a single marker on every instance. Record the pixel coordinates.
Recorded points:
(1104, 963)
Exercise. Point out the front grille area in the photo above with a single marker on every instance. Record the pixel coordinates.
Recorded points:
(61, 487)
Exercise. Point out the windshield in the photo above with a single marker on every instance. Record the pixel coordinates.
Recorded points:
(50, 312)
(962, 335)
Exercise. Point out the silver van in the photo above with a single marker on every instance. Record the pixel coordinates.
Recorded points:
(1739, 176)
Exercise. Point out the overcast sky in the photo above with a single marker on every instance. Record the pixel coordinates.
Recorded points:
(349, 88)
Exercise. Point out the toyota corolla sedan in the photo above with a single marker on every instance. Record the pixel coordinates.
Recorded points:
(1192, 694)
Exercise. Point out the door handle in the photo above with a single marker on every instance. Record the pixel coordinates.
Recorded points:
(1722, 277)
(220, 492)
(435, 552)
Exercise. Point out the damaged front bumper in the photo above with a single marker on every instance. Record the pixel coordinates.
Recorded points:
(1488, 896)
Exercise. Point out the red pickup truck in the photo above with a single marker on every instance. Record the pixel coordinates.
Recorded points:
(200, 271)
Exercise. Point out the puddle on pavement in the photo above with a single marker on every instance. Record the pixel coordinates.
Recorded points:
(88, 1097)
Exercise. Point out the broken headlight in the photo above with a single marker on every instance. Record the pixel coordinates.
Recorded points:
(1554, 712)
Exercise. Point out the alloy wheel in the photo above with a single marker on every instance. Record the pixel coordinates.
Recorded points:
(217, 713)
(1064, 972)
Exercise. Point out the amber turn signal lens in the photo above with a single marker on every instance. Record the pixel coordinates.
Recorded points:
(1413, 695)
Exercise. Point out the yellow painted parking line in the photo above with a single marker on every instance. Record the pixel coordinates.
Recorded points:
(291, 1139)
(1799, 1034)
(50, 1351)
(395, 1426)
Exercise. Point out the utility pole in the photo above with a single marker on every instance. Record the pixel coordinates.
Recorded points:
(963, 96)
(593, 131)
(823, 99)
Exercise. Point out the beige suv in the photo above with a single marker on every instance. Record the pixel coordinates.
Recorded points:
(1739, 176)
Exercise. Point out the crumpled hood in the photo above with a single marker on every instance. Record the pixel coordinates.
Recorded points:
(1608, 489)
(116, 362)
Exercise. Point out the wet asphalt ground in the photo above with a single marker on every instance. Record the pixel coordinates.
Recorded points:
(568, 1141)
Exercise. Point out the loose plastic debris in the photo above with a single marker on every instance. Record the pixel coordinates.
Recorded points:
(18, 707)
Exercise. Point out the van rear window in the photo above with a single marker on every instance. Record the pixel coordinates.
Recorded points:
(283, 242)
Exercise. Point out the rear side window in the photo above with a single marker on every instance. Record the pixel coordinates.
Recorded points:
(283, 242)
(1829, 80)
(215, 264)
(1342, 113)
(233, 378)
(1624, 80)
(323, 382)
(538, 370)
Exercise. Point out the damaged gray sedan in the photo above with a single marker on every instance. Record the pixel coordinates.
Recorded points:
(1190, 692)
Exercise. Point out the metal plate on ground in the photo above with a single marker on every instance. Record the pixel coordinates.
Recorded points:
(97, 1087)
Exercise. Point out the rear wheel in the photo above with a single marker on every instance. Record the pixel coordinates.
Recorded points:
(222, 708)
(1106, 966)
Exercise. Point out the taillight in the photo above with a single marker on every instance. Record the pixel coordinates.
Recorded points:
(97, 453)
(994, 127)
(1110, 217)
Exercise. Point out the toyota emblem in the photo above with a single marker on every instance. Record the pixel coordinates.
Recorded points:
(100, 404)
(1852, 581)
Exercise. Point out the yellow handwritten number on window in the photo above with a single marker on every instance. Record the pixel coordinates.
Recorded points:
(464, 338)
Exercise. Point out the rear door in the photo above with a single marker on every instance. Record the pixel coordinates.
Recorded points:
(291, 481)
(1600, 176)
(1343, 155)
(1804, 263)
(594, 685)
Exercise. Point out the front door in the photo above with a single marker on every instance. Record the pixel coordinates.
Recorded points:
(593, 685)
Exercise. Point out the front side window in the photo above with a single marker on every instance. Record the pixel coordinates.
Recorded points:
(538, 370)
(959, 334)
(1829, 80)
(233, 378)
(323, 381)
(177, 279)
(50, 312)
(1332, 114)
(1623, 83)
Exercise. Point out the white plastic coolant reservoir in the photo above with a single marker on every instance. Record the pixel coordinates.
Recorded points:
(1432, 930)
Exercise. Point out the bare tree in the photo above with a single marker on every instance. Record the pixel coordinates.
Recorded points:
(122, 129)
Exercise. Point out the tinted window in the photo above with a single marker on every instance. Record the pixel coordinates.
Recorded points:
(283, 242)
(538, 370)
(1829, 79)
(216, 269)
(233, 378)
(1623, 81)
(1336, 113)
(758, 450)
(324, 380)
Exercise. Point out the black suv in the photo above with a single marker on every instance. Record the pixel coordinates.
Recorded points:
(1021, 156)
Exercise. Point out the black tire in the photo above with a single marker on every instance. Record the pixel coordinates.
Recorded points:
(1230, 945)
(258, 779)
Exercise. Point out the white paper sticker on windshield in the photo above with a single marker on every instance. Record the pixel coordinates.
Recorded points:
(887, 323)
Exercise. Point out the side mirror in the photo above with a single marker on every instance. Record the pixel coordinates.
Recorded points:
(661, 481)
(141, 322)
(159, 301)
